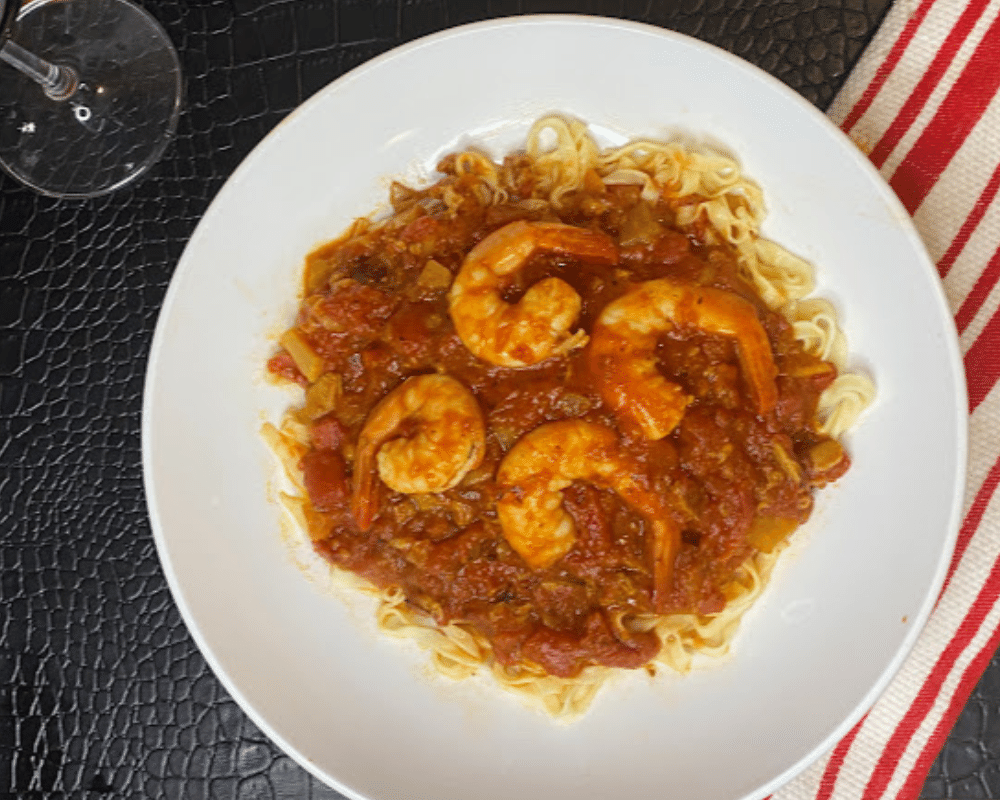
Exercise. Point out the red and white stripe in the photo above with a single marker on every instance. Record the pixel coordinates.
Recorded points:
(924, 101)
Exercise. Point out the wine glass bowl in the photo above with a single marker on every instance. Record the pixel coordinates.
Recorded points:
(94, 99)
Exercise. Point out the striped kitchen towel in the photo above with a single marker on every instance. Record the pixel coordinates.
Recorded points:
(923, 101)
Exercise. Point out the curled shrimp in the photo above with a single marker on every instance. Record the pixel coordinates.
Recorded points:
(623, 349)
(538, 326)
(424, 436)
(547, 460)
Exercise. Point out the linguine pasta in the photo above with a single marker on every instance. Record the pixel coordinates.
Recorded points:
(715, 204)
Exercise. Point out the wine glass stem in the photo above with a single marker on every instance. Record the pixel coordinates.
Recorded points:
(59, 83)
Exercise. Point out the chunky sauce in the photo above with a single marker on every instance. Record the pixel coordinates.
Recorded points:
(376, 312)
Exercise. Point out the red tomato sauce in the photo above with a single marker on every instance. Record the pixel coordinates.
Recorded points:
(376, 314)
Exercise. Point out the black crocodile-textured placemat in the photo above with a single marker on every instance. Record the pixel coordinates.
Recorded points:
(102, 691)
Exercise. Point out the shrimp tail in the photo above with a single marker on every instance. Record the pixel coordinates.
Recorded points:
(379, 427)
(733, 316)
(759, 367)
(583, 243)
(363, 495)
(666, 542)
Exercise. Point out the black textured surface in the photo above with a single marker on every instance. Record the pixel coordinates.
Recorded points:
(102, 691)
(968, 767)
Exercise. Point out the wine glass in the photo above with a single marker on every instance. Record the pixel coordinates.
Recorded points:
(93, 96)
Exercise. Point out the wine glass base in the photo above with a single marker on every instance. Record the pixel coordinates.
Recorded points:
(122, 115)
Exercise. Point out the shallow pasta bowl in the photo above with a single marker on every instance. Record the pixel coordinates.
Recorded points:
(363, 712)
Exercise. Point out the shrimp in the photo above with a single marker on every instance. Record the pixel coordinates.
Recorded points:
(623, 350)
(538, 326)
(547, 460)
(424, 436)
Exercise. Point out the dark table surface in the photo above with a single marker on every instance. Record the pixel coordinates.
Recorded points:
(102, 690)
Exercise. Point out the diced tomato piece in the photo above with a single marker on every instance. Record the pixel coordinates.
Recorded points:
(670, 247)
(420, 230)
(328, 433)
(282, 365)
(325, 477)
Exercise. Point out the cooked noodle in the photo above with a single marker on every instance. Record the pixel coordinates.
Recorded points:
(716, 203)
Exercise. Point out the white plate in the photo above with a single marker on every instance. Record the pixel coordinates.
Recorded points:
(360, 711)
